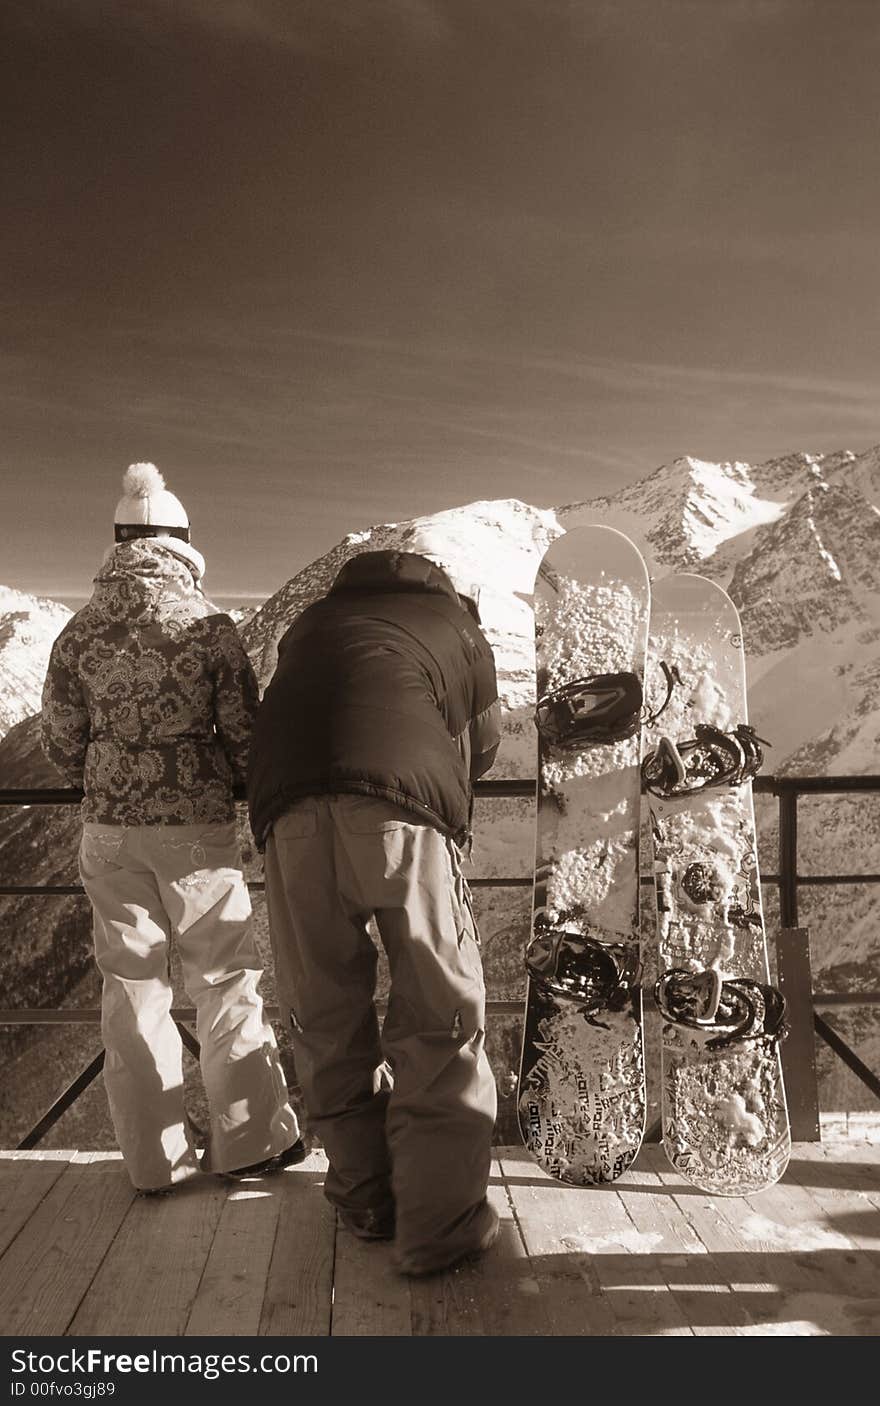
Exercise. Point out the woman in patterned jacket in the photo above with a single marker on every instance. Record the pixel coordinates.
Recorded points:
(148, 704)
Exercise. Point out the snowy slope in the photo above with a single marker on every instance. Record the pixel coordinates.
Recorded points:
(28, 626)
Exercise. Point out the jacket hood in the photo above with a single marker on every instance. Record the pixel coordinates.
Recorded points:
(143, 579)
(393, 571)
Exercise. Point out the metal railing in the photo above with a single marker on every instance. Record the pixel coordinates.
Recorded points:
(787, 789)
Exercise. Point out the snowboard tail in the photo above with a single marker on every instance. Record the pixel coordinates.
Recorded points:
(581, 1089)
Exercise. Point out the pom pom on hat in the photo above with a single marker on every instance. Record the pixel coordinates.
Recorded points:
(141, 480)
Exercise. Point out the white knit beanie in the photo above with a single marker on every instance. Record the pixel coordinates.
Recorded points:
(146, 501)
(147, 504)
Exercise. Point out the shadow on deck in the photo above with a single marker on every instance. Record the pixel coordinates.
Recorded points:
(81, 1256)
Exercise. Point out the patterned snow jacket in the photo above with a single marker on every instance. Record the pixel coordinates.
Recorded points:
(384, 687)
(149, 698)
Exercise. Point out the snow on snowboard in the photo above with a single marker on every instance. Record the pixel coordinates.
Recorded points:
(725, 1123)
(581, 1089)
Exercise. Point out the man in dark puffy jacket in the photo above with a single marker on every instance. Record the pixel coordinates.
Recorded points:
(382, 711)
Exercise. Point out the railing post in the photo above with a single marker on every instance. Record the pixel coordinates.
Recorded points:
(788, 894)
(798, 1051)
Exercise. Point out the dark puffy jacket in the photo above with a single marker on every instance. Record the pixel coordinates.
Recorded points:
(385, 687)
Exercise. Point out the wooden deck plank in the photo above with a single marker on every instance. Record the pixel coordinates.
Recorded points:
(442, 1307)
(41, 1154)
(692, 1274)
(149, 1278)
(854, 1211)
(830, 1277)
(24, 1182)
(629, 1276)
(792, 1217)
(495, 1295)
(49, 1266)
(299, 1287)
(833, 1165)
(369, 1298)
(502, 1281)
(570, 1294)
(779, 1261)
(229, 1298)
(750, 1276)
(651, 1256)
(585, 1233)
(836, 1178)
(864, 1125)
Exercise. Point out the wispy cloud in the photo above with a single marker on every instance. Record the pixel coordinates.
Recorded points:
(609, 373)
(248, 386)
(304, 26)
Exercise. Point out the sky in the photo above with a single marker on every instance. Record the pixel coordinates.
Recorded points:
(330, 263)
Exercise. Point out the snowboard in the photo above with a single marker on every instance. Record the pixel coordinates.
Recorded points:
(723, 1109)
(581, 1087)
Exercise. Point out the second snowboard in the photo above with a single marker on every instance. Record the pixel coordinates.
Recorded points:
(581, 1091)
(725, 1125)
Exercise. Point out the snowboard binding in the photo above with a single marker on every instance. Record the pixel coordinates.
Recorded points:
(571, 966)
(599, 708)
(733, 1011)
(711, 758)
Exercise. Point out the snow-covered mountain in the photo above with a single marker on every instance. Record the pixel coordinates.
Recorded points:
(796, 541)
(28, 626)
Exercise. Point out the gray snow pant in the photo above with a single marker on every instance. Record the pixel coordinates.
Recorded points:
(424, 1149)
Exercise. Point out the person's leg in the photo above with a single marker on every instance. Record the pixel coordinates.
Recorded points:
(325, 971)
(143, 1073)
(442, 1108)
(198, 871)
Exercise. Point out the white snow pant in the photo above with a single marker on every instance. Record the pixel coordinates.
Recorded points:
(146, 882)
(424, 1150)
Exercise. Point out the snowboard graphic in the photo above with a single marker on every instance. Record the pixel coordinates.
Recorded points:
(581, 1089)
(725, 1123)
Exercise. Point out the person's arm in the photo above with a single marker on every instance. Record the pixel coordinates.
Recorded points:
(485, 738)
(64, 721)
(236, 696)
(485, 726)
